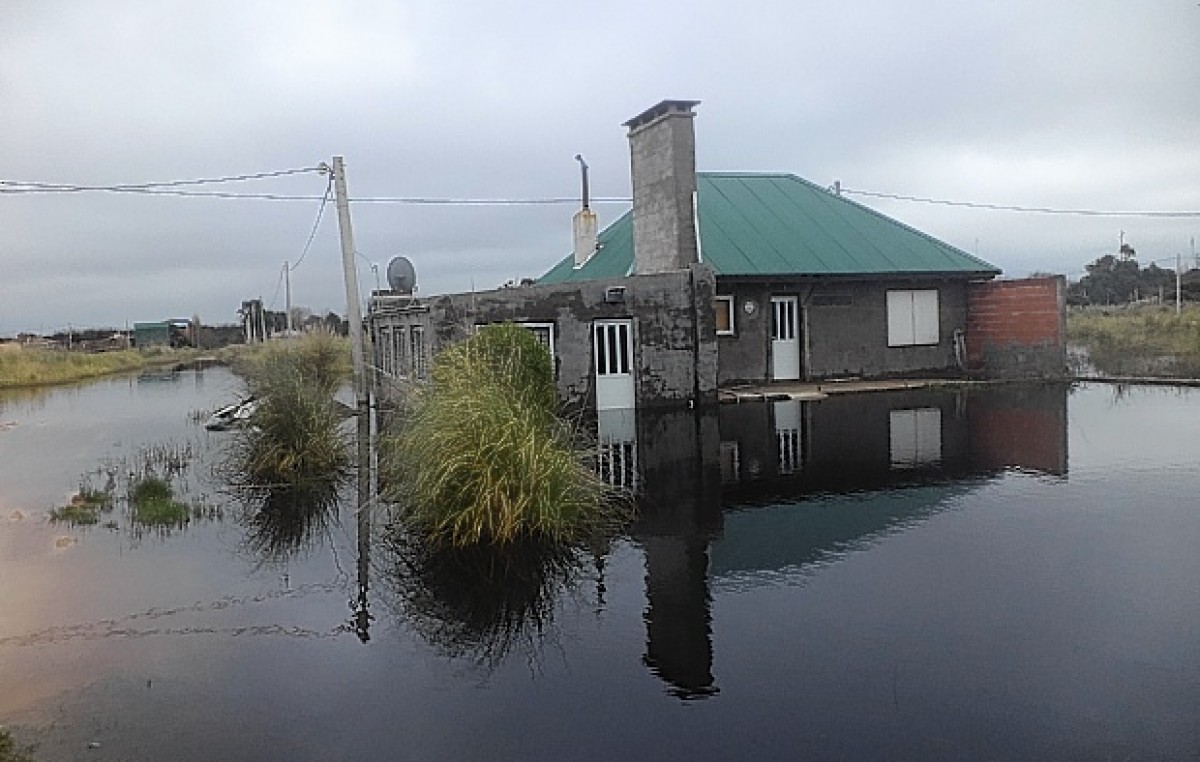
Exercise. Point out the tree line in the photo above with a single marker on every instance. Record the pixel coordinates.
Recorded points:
(1120, 279)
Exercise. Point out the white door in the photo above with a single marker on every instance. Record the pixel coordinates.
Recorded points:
(785, 342)
(612, 345)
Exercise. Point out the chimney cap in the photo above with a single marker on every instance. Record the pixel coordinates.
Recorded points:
(662, 109)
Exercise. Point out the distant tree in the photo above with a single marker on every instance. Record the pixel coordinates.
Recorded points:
(1119, 279)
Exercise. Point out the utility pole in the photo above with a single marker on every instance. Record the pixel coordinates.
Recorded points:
(353, 310)
(287, 291)
(1178, 283)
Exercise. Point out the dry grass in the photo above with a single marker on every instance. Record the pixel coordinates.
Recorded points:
(1144, 340)
(481, 458)
(296, 434)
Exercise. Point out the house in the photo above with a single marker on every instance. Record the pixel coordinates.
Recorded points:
(716, 279)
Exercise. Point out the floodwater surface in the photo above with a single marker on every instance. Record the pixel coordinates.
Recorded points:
(1004, 574)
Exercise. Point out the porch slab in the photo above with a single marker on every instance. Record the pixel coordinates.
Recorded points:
(777, 391)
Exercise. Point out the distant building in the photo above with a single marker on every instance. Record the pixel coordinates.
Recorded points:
(146, 335)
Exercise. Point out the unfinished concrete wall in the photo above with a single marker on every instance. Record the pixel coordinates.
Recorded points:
(674, 347)
(662, 151)
(1018, 328)
(843, 330)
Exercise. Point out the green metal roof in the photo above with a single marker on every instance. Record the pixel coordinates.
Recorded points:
(767, 225)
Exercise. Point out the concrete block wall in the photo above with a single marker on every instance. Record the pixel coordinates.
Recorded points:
(843, 330)
(1017, 328)
(674, 355)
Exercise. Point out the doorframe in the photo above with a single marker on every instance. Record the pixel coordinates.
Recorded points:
(629, 358)
(797, 336)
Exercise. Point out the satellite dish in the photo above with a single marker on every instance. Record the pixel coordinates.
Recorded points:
(401, 276)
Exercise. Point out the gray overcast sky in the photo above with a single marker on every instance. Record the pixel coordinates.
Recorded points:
(1050, 104)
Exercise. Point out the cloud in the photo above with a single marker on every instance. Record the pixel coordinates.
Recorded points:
(1067, 104)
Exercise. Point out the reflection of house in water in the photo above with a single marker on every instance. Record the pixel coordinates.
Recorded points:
(763, 489)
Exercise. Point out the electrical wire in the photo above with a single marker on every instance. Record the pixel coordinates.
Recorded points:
(316, 224)
(427, 201)
(13, 186)
(177, 188)
(1015, 208)
(278, 285)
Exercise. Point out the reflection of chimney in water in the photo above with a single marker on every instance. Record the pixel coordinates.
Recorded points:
(678, 622)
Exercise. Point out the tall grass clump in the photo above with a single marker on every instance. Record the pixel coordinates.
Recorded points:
(296, 432)
(481, 457)
(152, 502)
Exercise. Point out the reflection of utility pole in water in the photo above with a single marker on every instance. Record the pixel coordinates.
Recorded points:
(361, 619)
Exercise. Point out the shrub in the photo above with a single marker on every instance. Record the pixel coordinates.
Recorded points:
(481, 456)
(296, 432)
(153, 502)
(84, 507)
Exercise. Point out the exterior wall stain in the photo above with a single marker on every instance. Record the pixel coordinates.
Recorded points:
(674, 351)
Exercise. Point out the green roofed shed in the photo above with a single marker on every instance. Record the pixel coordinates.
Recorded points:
(770, 225)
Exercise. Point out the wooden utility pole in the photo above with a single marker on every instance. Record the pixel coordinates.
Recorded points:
(353, 310)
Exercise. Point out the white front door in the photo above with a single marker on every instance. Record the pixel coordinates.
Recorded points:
(785, 342)
(612, 348)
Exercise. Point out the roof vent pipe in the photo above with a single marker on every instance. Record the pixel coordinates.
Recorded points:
(585, 225)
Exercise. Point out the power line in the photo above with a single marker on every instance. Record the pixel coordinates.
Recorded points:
(1014, 208)
(317, 223)
(15, 186)
(278, 285)
(433, 201)
(177, 188)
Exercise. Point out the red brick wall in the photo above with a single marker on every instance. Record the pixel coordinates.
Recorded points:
(1017, 327)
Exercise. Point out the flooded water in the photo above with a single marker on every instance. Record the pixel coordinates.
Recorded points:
(1007, 574)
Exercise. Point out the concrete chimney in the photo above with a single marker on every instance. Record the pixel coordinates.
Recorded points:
(662, 153)
(585, 225)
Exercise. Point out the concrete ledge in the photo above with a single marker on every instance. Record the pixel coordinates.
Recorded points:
(795, 390)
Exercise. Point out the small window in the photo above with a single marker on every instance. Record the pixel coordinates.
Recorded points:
(723, 305)
(912, 318)
(416, 337)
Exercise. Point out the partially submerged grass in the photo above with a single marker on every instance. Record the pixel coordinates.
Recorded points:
(296, 432)
(321, 360)
(481, 457)
(84, 508)
(152, 502)
(1148, 341)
